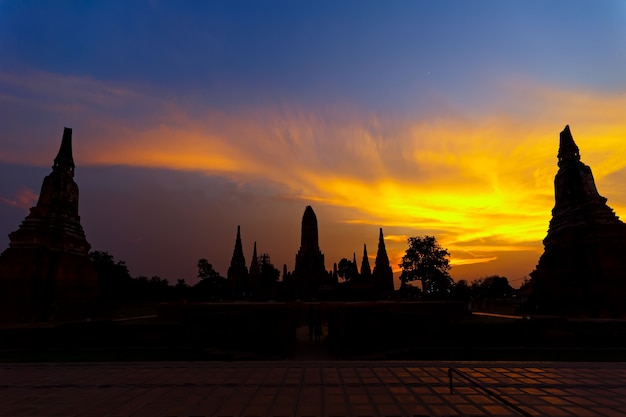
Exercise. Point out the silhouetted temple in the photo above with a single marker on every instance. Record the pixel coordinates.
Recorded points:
(237, 274)
(382, 276)
(310, 271)
(366, 272)
(255, 270)
(46, 272)
(583, 267)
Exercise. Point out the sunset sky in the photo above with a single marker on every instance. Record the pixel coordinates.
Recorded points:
(420, 117)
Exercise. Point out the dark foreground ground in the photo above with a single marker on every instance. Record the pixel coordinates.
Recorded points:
(483, 338)
(312, 388)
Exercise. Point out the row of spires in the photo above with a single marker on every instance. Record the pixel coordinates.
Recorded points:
(310, 272)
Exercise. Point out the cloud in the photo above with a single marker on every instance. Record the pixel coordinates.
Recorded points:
(471, 261)
(482, 177)
(24, 199)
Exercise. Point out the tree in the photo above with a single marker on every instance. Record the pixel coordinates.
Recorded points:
(206, 271)
(347, 270)
(461, 291)
(493, 287)
(426, 261)
(114, 278)
(212, 285)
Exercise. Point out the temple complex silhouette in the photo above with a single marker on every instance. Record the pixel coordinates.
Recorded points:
(583, 268)
(310, 280)
(46, 272)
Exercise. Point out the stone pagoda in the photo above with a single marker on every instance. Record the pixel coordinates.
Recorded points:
(46, 272)
(366, 272)
(583, 268)
(310, 271)
(237, 274)
(382, 276)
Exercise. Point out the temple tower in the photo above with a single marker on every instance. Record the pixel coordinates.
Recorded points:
(583, 268)
(255, 271)
(310, 271)
(46, 272)
(237, 274)
(382, 274)
(366, 272)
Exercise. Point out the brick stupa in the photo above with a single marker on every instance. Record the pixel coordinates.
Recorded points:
(46, 272)
(310, 272)
(582, 271)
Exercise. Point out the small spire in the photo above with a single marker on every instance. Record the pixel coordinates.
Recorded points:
(64, 158)
(366, 270)
(254, 264)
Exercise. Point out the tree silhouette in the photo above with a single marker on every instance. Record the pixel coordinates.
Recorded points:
(425, 260)
(347, 270)
(492, 287)
(114, 279)
(462, 291)
(205, 270)
(212, 285)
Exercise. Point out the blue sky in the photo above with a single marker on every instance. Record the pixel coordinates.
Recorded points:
(335, 104)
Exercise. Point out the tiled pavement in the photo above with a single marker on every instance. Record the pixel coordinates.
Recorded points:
(330, 388)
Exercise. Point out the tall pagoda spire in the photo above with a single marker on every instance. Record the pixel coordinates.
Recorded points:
(64, 160)
(255, 269)
(310, 271)
(382, 274)
(309, 238)
(568, 151)
(238, 272)
(355, 267)
(366, 272)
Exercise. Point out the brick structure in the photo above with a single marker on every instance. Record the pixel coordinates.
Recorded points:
(46, 272)
(310, 272)
(583, 268)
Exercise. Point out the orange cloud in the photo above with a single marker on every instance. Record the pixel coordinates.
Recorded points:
(471, 261)
(24, 199)
(488, 177)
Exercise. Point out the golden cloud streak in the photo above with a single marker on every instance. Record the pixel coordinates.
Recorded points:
(471, 261)
(462, 179)
(472, 180)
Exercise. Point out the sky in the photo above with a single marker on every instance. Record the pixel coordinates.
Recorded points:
(421, 117)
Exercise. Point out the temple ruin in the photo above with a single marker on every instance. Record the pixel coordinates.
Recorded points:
(583, 268)
(46, 272)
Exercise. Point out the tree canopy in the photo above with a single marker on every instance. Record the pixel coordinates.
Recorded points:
(426, 261)
(347, 270)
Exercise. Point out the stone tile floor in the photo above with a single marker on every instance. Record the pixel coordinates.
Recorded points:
(331, 388)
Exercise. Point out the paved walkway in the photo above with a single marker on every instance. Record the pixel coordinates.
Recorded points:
(329, 388)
